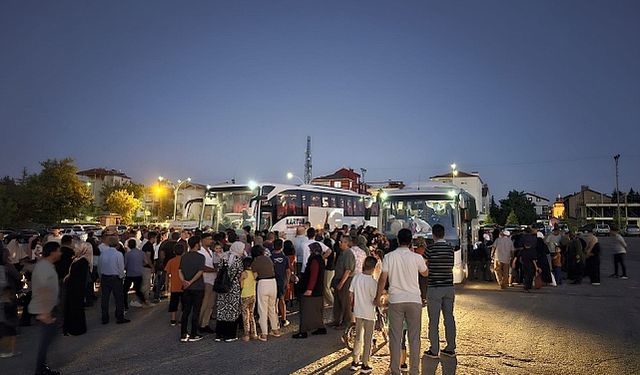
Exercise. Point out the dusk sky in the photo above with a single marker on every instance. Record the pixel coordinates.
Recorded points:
(534, 95)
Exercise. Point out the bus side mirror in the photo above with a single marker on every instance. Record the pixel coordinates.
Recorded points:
(367, 214)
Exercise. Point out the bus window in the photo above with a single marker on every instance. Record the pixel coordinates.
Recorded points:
(359, 207)
(325, 201)
(349, 206)
(340, 202)
(375, 209)
(304, 203)
(332, 201)
(287, 205)
(315, 200)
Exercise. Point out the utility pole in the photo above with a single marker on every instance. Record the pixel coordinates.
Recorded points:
(616, 158)
(307, 162)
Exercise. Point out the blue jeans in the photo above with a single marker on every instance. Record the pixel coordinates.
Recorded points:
(158, 284)
(557, 274)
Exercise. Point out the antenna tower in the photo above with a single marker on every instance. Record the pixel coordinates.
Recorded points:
(307, 162)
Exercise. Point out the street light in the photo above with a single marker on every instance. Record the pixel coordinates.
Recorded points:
(454, 173)
(252, 185)
(291, 176)
(175, 196)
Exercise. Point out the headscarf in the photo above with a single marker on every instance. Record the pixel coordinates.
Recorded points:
(84, 250)
(591, 241)
(236, 251)
(362, 243)
(316, 248)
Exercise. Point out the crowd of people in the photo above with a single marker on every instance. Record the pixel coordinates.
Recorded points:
(239, 285)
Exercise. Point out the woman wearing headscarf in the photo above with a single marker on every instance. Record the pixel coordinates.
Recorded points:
(592, 262)
(311, 301)
(228, 304)
(542, 252)
(75, 322)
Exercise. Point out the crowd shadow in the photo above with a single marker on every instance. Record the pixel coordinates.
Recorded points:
(430, 365)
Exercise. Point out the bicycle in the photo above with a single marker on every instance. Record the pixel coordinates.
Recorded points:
(380, 333)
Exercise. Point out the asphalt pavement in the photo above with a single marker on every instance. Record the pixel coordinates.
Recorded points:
(570, 329)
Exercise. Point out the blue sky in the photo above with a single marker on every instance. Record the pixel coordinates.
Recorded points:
(534, 95)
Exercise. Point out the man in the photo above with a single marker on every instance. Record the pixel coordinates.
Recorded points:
(54, 235)
(184, 237)
(133, 265)
(111, 269)
(147, 268)
(619, 253)
(44, 283)
(66, 256)
(283, 273)
(298, 241)
(306, 251)
(401, 268)
(209, 279)
(441, 294)
(502, 253)
(192, 267)
(163, 253)
(345, 267)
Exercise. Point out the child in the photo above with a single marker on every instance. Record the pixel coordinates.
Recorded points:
(172, 269)
(363, 293)
(248, 298)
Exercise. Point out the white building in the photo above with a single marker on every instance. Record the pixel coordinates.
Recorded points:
(542, 204)
(97, 178)
(473, 184)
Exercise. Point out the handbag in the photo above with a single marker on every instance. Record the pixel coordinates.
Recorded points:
(537, 281)
(222, 283)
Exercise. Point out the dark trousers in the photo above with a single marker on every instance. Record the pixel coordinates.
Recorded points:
(47, 335)
(528, 273)
(593, 268)
(618, 259)
(191, 304)
(342, 304)
(158, 284)
(111, 285)
(136, 281)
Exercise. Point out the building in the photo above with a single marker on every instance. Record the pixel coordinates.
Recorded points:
(343, 178)
(541, 204)
(374, 187)
(558, 210)
(97, 178)
(473, 184)
(579, 205)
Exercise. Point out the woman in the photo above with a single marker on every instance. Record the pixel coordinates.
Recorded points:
(290, 251)
(265, 275)
(312, 285)
(75, 322)
(9, 306)
(542, 251)
(228, 304)
(592, 262)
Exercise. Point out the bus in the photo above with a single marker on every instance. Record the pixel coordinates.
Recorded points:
(435, 203)
(283, 208)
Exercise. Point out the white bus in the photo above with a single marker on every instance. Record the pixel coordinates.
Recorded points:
(282, 208)
(434, 203)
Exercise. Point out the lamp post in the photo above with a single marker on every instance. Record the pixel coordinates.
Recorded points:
(291, 176)
(175, 196)
(616, 158)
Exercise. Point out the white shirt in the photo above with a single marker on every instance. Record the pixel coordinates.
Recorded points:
(619, 244)
(306, 252)
(364, 289)
(403, 266)
(360, 256)
(298, 241)
(207, 277)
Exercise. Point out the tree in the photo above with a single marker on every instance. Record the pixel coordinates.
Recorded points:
(633, 196)
(517, 202)
(489, 220)
(8, 203)
(512, 219)
(56, 193)
(123, 203)
(136, 189)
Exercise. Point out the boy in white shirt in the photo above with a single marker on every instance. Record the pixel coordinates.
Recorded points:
(363, 293)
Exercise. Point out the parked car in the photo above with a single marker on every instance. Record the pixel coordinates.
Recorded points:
(601, 230)
(632, 230)
(120, 229)
(587, 228)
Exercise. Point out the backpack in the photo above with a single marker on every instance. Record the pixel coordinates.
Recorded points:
(223, 281)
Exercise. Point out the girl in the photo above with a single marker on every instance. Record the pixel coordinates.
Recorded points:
(248, 300)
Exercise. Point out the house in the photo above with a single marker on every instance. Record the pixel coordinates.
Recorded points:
(343, 178)
(541, 204)
(97, 178)
(473, 184)
(576, 205)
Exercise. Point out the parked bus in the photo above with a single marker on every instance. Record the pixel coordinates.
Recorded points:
(420, 209)
(282, 208)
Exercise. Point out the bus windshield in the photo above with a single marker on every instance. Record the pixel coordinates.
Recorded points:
(419, 215)
(229, 210)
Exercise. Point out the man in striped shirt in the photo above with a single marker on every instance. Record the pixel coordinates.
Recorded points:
(440, 294)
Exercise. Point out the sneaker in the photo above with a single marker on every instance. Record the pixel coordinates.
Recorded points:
(184, 338)
(448, 353)
(262, 337)
(135, 304)
(431, 354)
(595, 284)
(173, 323)
(404, 367)
(355, 366)
(285, 323)
(10, 354)
(195, 338)
(218, 339)
(231, 340)
(624, 278)
(275, 333)
(367, 370)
